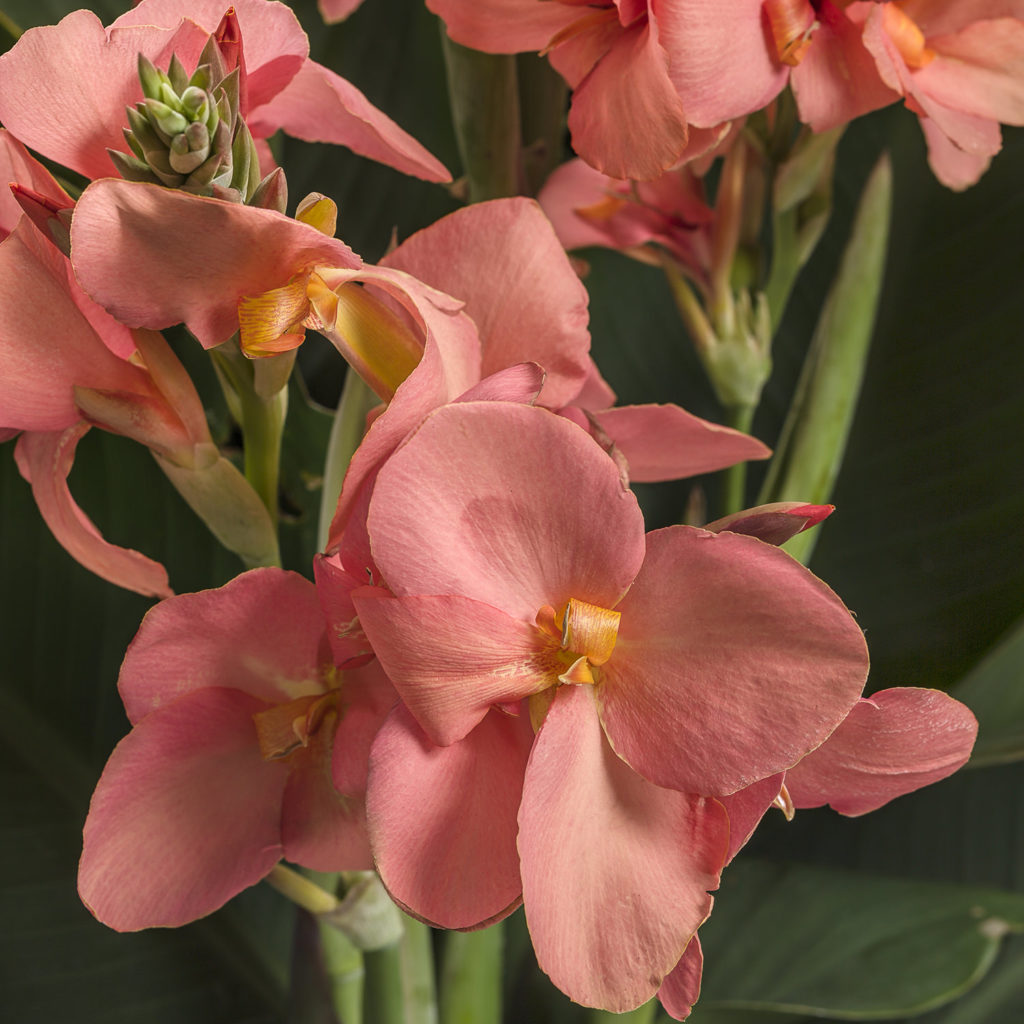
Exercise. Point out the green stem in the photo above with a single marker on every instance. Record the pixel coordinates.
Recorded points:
(346, 432)
(471, 981)
(810, 449)
(641, 1015)
(543, 97)
(400, 980)
(734, 479)
(257, 396)
(343, 964)
(484, 96)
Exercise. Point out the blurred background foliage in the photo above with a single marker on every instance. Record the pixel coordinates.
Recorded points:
(889, 916)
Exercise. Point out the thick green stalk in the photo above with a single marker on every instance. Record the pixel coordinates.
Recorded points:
(343, 964)
(400, 980)
(483, 92)
(471, 979)
(813, 441)
(346, 432)
(257, 396)
(641, 1015)
(543, 99)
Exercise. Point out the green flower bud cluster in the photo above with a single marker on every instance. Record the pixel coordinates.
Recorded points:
(187, 133)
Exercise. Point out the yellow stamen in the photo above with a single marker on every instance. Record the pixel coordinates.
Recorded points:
(604, 209)
(784, 802)
(319, 212)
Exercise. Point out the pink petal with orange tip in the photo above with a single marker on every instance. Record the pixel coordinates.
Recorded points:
(891, 743)
(211, 255)
(616, 871)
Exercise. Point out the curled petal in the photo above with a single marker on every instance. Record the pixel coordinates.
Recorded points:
(892, 743)
(681, 988)
(45, 460)
(774, 523)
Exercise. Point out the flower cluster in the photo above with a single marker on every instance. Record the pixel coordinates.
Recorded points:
(501, 689)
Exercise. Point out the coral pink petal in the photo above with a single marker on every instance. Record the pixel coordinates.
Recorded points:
(273, 42)
(837, 79)
(547, 521)
(443, 819)
(450, 365)
(732, 663)
(950, 164)
(746, 808)
(45, 460)
(774, 523)
(896, 741)
(320, 106)
(939, 17)
(333, 11)
(244, 251)
(451, 658)
(524, 297)
(719, 60)
(503, 26)
(577, 186)
(367, 697)
(47, 344)
(665, 442)
(262, 633)
(681, 988)
(520, 383)
(596, 393)
(185, 815)
(629, 133)
(321, 828)
(616, 872)
(334, 586)
(17, 166)
(980, 70)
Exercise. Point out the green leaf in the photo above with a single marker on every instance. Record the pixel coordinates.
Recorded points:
(828, 943)
(994, 691)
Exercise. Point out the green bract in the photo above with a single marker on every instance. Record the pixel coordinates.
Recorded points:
(187, 133)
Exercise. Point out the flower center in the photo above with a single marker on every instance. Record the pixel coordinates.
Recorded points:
(586, 635)
(284, 728)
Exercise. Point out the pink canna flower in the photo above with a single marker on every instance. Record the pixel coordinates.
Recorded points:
(247, 745)
(576, 695)
(42, 76)
(66, 365)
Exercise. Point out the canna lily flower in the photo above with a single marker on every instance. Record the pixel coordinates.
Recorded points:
(529, 308)
(66, 365)
(576, 695)
(280, 88)
(248, 745)
(625, 133)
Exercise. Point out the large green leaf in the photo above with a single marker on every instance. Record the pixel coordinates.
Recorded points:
(836, 944)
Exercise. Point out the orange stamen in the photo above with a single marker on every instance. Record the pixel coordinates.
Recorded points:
(907, 37)
(792, 23)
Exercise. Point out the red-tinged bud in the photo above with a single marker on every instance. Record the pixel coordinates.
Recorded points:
(51, 216)
(228, 37)
(774, 523)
